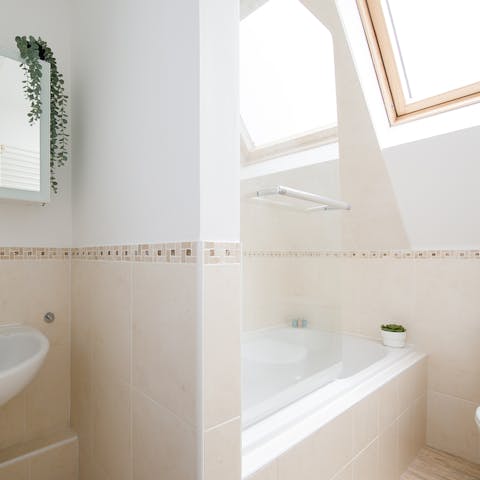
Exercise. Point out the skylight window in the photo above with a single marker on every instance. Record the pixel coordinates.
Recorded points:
(287, 74)
(426, 52)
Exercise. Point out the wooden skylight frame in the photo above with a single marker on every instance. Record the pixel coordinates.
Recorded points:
(388, 75)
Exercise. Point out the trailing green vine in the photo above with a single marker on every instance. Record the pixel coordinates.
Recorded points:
(32, 50)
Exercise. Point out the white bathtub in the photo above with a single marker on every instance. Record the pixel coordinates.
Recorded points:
(296, 380)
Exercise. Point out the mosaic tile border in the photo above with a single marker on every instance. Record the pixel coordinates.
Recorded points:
(34, 253)
(213, 253)
(221, 252)
(427, 254)
(178, 252)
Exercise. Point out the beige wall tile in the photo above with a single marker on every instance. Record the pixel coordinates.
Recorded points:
(15, 471)
(110, 320)
(89, 470)
(56, 464)
(366, 464)
(82, 407)
(154, 308)
(48, 284)
(412, 384)
(112, 432)
(406, 439)
(164, 446)
(270, 472)
(81, 354)
(14, 304)
(101, 371)
(419, 414)
(388, 404)
(365, 422)
(388, 453)
(165, 335)
(448, 289)
(377, 291)
(345, 474)
(321, 455)
(221, 343)
(48, 396)
(223, 452)
(299, 462)
(271, 298)
(332, 454)
(29, 289)
(451, 426)
(13, 421)
(458, 382)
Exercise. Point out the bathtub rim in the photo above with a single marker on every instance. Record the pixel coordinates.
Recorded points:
(262, 451)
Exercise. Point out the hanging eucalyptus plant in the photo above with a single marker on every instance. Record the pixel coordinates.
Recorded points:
(32, 50)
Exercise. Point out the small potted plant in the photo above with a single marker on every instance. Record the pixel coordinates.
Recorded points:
(394, 335)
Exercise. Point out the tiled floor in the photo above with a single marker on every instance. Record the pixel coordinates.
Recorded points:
(434, 465)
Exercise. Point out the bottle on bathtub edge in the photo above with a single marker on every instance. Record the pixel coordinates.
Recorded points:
(394, 335)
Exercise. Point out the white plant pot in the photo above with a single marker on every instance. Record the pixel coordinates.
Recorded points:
(394, 339)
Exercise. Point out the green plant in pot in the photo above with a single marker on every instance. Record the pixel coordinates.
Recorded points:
(394, 335)
(32, 51)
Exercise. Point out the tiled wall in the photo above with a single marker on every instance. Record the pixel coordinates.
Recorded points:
(134, 368)
(53, 457)
(221, 372)
(29, 289)
(376, 439)
(434, 293)
(148, 337)
(155, 361)
(277, 290)
(437, 299)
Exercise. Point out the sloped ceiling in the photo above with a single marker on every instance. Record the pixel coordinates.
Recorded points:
(419, 195)
(437, 186)
(374, 221)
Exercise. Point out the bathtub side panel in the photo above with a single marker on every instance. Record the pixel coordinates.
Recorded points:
(343, 448)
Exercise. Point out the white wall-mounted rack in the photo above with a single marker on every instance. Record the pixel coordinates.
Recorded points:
(281, 196)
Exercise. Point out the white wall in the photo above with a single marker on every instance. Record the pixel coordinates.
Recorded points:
(141, 133)
(136, 115)
(33, 225)
(219, 120)
(436, 182)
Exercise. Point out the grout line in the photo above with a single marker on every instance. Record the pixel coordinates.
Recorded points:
(164, 407)
(199, 391)
(131, 307)
(454, 397)
(39, 451)
(221, 424)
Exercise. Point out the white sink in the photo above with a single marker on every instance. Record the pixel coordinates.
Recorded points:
(22, 352)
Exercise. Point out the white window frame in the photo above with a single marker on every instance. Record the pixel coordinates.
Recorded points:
(250, 153)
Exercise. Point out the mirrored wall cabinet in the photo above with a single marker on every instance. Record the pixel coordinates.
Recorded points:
(24, 148)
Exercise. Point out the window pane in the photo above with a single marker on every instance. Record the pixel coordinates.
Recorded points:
(287, 74)
(436, 43)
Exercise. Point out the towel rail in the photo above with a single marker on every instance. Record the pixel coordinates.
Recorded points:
(323, 203)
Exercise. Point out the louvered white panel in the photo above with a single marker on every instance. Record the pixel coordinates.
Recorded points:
(19, 168)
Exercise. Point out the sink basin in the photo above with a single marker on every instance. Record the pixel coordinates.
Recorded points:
(22, 352)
